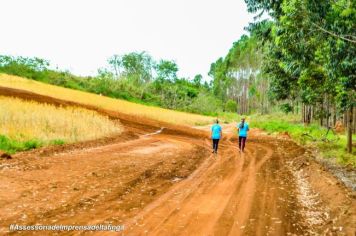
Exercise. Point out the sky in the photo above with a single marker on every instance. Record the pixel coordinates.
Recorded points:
(80, 35)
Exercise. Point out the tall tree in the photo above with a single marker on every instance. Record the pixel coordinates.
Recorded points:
(312, 53)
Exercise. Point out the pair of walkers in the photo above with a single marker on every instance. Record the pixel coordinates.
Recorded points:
(216, 134)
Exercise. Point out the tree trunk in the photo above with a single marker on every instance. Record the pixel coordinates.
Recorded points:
(321, 111)
(349, 130)
(334, 120)
(327, 112)
(308, 115)
(354, 120)
(296, 109)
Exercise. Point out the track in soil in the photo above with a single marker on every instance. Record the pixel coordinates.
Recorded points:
(163, 183)
(224, 197)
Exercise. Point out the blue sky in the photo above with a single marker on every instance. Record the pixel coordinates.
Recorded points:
(79, 35)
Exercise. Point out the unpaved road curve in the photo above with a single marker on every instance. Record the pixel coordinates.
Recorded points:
(251, 193)
(169, 183)
(226, 196)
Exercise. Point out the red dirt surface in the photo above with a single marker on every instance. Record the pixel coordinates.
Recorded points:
(169, 183)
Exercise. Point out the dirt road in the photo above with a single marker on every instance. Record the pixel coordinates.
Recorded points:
(253, 193)
(169, 183)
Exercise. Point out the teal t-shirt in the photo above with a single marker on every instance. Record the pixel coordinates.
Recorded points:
(243, 131)
(215, 129)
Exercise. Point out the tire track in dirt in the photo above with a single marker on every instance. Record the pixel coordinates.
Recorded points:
(210, 206)
(248, 194)
(245, 194)
(92, 192)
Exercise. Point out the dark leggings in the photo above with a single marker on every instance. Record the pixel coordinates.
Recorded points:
(215, 144)
(242, 141)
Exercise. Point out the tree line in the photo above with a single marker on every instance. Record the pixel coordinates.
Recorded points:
(303, 59)
(134, 76)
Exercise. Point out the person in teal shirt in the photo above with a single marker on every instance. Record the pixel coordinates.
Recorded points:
(216, 133)
(243, 129)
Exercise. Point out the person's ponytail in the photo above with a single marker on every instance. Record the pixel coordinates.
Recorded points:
(242, 125)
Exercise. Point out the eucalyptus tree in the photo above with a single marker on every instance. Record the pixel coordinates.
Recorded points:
(311, 55)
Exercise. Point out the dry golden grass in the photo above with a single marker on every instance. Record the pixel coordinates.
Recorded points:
(26, 120)
(122, 106)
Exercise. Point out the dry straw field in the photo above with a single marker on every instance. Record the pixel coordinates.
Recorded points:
(122, 106)
(24, 120)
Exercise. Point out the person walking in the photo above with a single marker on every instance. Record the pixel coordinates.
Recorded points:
(242, 129)
(216, 134)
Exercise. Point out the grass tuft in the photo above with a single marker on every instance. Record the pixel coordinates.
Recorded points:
(11, 146)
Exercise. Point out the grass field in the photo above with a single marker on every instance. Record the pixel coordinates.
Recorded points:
(280, 123)
(122, 106)
(25, 125)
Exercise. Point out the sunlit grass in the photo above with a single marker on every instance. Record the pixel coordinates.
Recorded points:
(27, 124)
(122, 106)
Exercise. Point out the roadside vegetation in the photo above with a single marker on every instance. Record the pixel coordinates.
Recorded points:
(313, 136)
(26, 125)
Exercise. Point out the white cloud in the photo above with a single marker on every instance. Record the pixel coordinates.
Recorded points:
(81, 34)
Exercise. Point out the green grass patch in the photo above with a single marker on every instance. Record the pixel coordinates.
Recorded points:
(224, 118)
(57, 142)
(12, 146)
(228, 117)
(280, 123)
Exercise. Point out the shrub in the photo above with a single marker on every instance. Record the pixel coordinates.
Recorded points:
(205, 104)
(231, 106)
(286, 108)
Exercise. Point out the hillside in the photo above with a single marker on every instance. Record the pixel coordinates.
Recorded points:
(122, 106)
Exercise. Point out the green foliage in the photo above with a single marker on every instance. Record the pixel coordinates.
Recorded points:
(58, 142)
(280, 123)
(11, 146)
(135, 77)
(198, 79)
(237, 76)
(311, 53)
(136, 66)
(286, 108)
(228, 117)
(167, 70)
(221, 82)
(205, 104)
(273, 7)
(231, 106)
(310, 50)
